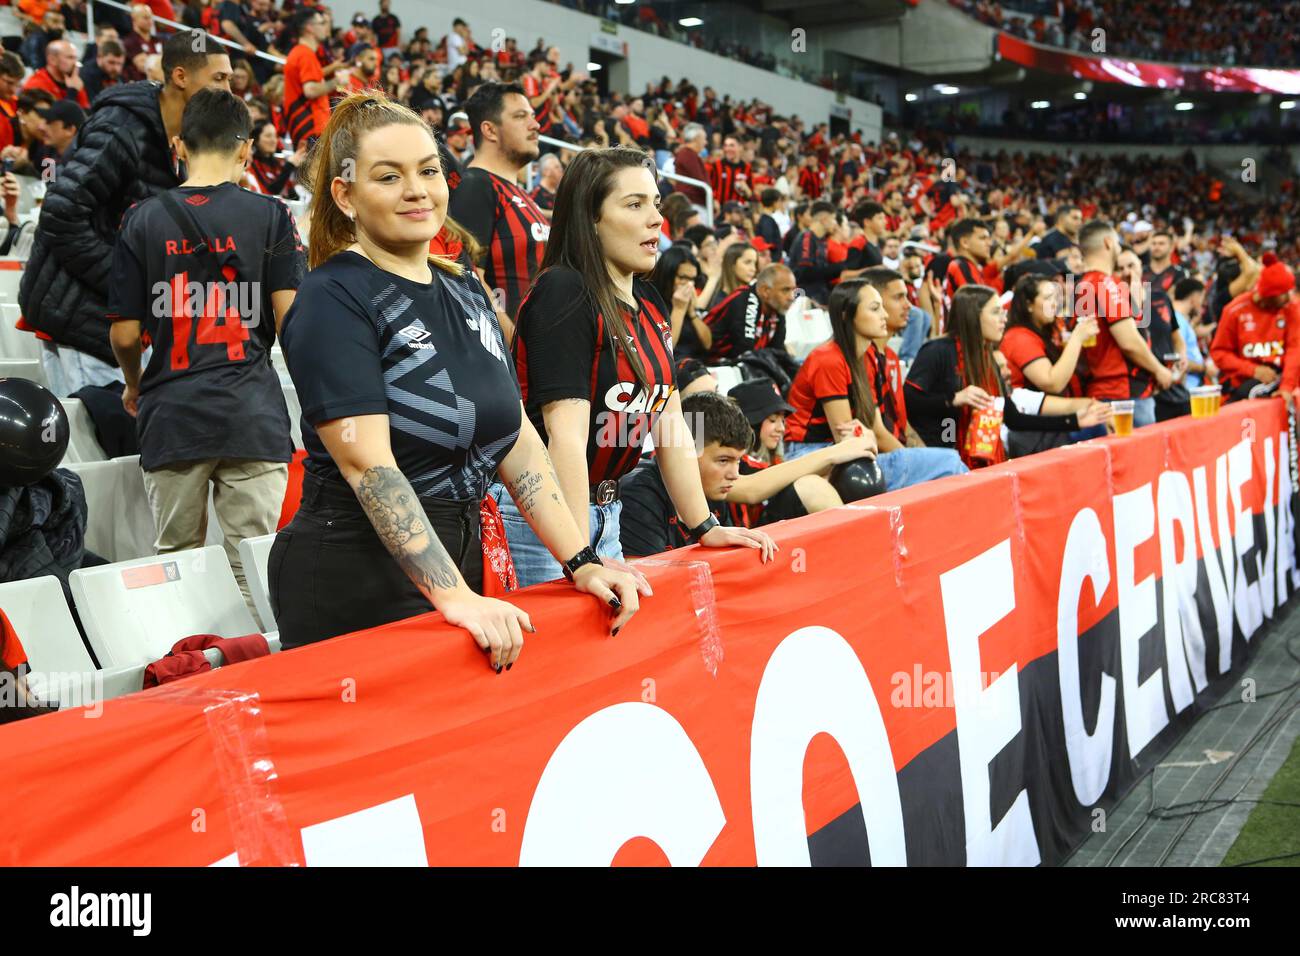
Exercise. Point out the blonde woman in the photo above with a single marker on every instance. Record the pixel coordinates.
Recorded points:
(410, 408)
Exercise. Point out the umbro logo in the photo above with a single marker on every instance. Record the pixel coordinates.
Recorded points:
(414, 333)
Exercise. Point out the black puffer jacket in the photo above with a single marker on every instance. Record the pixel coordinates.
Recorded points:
(120, 157)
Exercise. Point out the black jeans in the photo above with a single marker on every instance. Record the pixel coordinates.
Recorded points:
(329, 574)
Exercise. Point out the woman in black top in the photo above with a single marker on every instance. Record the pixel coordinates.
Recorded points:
(593, 350)
(674, 278)
(410, 408)
(956, 379)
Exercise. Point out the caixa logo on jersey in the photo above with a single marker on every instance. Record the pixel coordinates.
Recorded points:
(631, 398)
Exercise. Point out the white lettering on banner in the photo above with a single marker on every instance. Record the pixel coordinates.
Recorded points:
(1144, 701)
(1089, 753)
(389, 834)
(1267, 554)
(976, 595)
(1184, 642)
(1240, 466)
(1227, 548)
(814, 683)
(628, 770)
(1286, 567)
(1212, 558)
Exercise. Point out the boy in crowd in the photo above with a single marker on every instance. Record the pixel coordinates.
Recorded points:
(200, 268)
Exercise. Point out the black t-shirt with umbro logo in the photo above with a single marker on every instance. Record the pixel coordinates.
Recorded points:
(362, 341)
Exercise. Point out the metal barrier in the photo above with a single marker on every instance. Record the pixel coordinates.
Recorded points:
(707, 212)
(126, 8)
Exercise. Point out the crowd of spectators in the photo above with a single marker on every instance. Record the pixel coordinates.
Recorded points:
(1251, 33)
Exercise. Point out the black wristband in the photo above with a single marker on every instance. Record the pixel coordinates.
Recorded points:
(586, 556)
(703, 528)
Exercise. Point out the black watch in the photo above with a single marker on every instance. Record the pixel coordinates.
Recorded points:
(586, 556)
(703, 528)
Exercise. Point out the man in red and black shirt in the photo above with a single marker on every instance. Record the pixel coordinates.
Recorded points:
(971, 265)
(808, 255)
(752, 317)
(730, 176)
(388, 29)
(884, 369)
(1161, 270)
(60, 77)
(489, 201)
(1121, 365)
(1258, 338)
(542, 87)
(11, 77)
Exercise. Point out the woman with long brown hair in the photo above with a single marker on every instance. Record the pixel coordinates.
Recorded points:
(958, 398)
(593, 350)
(832, 396)
(410, 409)
(739, 266)
(1038, 352)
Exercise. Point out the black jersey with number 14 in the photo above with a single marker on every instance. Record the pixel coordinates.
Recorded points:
(209, 389)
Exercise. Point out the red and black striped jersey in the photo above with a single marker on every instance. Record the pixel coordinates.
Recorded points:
(564, 349)
(534, 87)
(885, 373)
(812, 181)
(741, 322)
(508, 225)
(724, 177)
(961, 271)
(747, 516)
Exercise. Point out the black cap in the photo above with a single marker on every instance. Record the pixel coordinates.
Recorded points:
(759, 398)
(65, 111)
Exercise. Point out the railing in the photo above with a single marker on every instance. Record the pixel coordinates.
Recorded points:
(90, 28)
(708, 190)
(126, 8)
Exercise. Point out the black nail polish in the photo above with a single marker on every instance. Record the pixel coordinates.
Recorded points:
(498, 668)
(510, 665)
(616, 604)
(614, 633)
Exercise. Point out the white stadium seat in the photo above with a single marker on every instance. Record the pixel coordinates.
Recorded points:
(253, 554)
(83, 446)
(134, 611)
(39, 614)
(13, 343)
(9, 280)
(728, 376)
(119, 523)
(805, 328)
(24, 368)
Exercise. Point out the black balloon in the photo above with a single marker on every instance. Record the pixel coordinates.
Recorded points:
(33, 432)
(858, 479)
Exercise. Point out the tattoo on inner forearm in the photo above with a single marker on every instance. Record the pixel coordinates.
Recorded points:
(398, 517)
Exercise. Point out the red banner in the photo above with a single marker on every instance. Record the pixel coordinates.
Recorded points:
(1164, 76)
(960, 672)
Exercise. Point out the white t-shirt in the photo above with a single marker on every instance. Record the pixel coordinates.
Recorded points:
(455, 50)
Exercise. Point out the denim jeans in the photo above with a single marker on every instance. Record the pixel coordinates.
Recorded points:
(1144, 412)
(902, 468)
(914, 336)
(534, 563)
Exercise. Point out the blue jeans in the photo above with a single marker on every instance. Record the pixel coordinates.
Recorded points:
(534, 563)
(902, 468)
(1144, 412)
(914, 336)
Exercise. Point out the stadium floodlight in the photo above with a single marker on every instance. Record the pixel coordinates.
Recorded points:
(690, 22)
(1286, 105)
(625, 2)
(593, 67)
(1184, 106)
(1039, 105)
(911, 97)
(946, 90)
(1080, 95)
